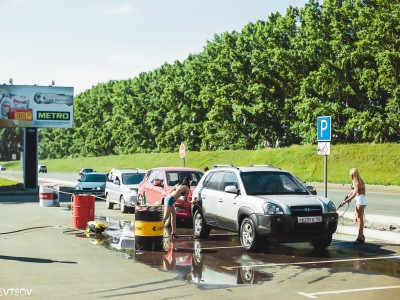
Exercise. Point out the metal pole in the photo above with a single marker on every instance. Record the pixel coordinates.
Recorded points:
(326, 175)
(183, 162)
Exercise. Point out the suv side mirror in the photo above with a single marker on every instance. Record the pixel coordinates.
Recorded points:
(158, 183)
(232, 189)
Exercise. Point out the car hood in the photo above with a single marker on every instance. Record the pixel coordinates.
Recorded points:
(296, 200)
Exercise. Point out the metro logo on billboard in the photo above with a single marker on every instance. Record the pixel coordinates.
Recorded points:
(53, 115)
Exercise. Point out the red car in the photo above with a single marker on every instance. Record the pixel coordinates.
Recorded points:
(158, 182)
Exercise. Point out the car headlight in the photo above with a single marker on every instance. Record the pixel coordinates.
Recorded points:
(78, 188)
(99, 188)
(331, 207)
(272, 209)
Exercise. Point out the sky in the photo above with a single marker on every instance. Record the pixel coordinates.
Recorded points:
(81, 43)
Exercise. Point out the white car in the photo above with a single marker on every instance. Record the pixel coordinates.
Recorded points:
(122, 188)
(262, 203)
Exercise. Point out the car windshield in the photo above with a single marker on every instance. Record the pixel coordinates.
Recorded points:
(94, 177)
(271, 183)
(176, 177)
(132, 178)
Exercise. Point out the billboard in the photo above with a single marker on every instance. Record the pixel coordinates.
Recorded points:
(36, 106)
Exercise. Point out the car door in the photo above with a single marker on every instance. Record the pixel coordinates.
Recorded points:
(209, 197)
(153, 192)
(227, 207)
(111, 187)
(117, 188)
(158, 190)
(148, 186)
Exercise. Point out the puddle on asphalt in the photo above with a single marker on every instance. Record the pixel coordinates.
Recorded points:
(220, 262)
(183, 257)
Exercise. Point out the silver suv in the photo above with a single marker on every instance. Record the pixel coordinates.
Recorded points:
(262, 203)
(122, 188)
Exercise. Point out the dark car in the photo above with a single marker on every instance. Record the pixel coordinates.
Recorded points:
(92, 183)
(42, 169)
(84, 171)
(158, 183)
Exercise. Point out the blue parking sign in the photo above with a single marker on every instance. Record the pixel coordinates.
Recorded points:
(324, 128)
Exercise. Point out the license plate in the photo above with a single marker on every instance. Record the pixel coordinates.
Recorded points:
(316, 219)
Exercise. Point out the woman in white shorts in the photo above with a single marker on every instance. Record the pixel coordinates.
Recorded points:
(358, 193)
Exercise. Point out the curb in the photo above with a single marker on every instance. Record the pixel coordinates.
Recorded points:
(387, 236)
(374, 218)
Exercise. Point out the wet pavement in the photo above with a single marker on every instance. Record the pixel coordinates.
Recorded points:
(43, 254)
(219, 261)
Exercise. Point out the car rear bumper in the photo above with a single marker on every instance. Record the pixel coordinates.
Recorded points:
(287, 227)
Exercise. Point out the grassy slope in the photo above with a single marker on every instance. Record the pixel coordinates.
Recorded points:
(376, 162)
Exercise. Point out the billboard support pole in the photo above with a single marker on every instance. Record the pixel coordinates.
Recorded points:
(30, 159)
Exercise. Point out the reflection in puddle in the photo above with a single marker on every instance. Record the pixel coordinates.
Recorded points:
(184, 256)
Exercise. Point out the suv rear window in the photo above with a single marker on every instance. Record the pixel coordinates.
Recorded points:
(271, 183)
(174, 178)
(132, 178)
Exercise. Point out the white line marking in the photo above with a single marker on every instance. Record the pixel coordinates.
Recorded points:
(208, 248)
(311, 262)
(313, 295)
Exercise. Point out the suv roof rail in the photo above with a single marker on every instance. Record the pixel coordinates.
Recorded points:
(223, 166)
(267, 165)
(127, 169)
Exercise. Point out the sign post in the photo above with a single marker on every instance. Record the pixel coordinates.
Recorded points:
(324, 135)
(182, 153)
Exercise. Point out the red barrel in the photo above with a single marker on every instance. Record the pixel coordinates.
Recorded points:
(83, 210)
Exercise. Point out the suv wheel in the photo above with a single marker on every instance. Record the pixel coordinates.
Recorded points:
(124, 209)
(200, 228)
(248, 235)
(321, 243)
(109, 205)
(247, 275)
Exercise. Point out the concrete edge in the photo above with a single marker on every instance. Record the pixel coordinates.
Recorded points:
(392, 237)
(374, 218)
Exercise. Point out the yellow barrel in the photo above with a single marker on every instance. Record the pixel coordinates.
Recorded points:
(149, 228)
